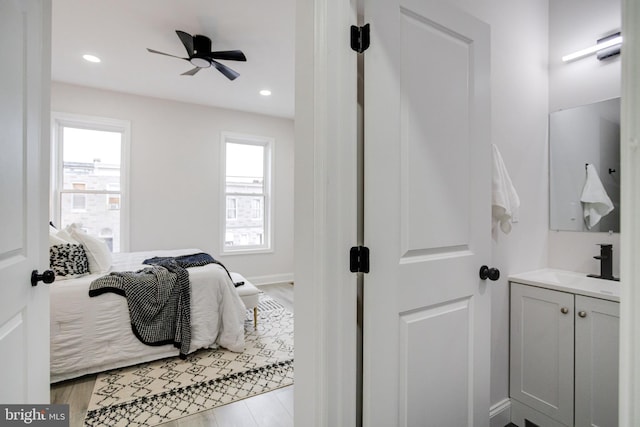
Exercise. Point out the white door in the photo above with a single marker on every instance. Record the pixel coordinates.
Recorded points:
(427, 216)
(24, 156)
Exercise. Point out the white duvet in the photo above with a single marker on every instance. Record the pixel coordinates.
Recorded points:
(90, 335)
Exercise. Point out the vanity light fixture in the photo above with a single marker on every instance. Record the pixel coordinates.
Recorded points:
(265, 92)
(605, 47)
(91, 58)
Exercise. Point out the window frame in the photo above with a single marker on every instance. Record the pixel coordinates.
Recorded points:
(61, 120)
(267, 195)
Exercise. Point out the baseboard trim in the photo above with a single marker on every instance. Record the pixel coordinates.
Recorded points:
(500, 413)
(521, 413)
(271, 279)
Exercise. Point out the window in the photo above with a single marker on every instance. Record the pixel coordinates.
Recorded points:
(79, 200)
(232, 208)
(256, 209)
(247, 179)
(113, 202)
(113, 198)
(88, 176)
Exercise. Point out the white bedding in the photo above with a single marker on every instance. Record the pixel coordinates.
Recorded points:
(90, 335)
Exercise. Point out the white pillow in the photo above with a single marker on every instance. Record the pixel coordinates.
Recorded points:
(55, 240)
(60, 237)
(97, 250)
(66, 236)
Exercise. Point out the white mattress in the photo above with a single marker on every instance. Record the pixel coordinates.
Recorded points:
(90, 335)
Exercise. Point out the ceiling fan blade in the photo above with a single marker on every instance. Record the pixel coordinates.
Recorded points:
(228, 72)
(231, 55)
(187, 41)
(191, 72)
(167, 54)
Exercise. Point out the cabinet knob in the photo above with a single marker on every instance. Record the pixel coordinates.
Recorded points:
(564, 310)
(582, 313)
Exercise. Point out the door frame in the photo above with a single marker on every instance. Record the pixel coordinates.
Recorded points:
(629, 391)
(325, 292)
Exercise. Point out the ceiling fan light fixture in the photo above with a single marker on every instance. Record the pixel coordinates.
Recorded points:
(200, 62)
(200, 55)
(265, 92)
(91, 58)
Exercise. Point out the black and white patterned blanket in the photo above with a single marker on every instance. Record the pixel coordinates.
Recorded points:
(194, 260)
(159, 298)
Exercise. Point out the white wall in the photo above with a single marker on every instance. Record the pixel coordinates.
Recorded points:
(175, 173)
(573, 25)
(519, 79)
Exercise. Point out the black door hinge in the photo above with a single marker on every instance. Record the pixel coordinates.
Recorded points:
(360, 38)
(359, 259)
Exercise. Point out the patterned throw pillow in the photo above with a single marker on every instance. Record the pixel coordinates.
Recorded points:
(68, 259)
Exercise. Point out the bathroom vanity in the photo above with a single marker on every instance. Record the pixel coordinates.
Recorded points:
(564, 349)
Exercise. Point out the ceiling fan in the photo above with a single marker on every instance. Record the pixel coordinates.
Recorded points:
(199, 50)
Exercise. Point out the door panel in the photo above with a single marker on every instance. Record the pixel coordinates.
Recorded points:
(11, 109)
(434, 146)
(12, 347)
(24, 105)
(427, 216)
(426, 345)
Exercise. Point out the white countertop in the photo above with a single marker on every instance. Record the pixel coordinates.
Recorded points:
(570, 281)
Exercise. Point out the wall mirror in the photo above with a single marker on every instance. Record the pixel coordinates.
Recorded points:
(589, 134)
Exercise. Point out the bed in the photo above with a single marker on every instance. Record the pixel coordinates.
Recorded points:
(93, 334)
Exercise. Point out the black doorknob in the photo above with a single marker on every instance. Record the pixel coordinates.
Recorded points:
(489, 273)
(48, 276)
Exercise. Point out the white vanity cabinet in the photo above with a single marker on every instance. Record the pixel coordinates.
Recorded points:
(564, 355)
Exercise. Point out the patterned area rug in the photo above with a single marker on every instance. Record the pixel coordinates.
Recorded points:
(153, 393)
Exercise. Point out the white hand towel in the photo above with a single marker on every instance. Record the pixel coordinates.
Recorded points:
(595, 201)
(504, 199)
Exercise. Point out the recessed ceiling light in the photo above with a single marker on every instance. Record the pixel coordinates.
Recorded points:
(265, 92)
(91, 58)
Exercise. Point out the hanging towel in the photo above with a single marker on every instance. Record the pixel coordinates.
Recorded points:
(595, 201)
(504, 199)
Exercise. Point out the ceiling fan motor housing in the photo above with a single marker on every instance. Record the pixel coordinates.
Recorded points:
(201, 49)
(201, 46)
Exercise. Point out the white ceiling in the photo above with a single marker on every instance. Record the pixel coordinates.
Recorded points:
(119, 31)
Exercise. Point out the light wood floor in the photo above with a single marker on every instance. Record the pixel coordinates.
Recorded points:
(273, 409)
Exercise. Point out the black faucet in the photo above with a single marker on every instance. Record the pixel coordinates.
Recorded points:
(606, 262)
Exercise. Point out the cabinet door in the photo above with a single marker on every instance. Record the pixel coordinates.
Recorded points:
(596, 360)
(542, 328)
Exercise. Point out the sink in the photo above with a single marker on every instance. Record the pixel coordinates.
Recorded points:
(570, 281)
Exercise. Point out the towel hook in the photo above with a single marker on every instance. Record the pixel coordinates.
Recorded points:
(611, 171)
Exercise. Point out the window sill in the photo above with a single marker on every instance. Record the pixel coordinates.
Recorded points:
(243, 251)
